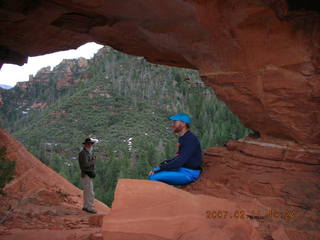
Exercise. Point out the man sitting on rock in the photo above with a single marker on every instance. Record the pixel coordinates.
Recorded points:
(186, 166)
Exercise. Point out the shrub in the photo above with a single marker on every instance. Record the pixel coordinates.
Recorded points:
(6, 169)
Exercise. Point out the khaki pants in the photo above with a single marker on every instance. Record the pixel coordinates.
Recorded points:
(88, 194)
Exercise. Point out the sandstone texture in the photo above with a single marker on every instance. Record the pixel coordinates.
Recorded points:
(144, 209)
(281, 177)
(39, 203)
(260, 56)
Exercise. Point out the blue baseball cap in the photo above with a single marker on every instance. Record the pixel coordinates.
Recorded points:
(181, 117)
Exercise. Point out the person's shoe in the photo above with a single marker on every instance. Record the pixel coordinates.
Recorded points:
(89, 210)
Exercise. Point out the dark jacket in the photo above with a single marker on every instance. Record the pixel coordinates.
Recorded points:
(86, 163)
(188, 156)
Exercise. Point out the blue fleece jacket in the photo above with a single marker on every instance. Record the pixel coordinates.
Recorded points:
(188, 156)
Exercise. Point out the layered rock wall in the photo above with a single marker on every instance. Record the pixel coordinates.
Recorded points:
(279, 176)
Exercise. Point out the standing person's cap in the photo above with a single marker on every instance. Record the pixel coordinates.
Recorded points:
(90, 140)
(181, 117)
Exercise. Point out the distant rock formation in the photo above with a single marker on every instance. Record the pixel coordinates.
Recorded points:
(42, 89)
(66, 73)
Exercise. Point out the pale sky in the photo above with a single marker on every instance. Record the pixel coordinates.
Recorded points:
(10, 74)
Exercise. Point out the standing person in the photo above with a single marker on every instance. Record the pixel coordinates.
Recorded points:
(86, 162)
(186, 166)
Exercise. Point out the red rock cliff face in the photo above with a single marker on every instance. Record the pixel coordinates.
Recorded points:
(280, 176)
(260, 58)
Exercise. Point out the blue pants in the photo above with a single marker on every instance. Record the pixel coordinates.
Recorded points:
(178, 176)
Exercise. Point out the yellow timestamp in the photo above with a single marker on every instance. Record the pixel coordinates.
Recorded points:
(287, 214)
(213, 214)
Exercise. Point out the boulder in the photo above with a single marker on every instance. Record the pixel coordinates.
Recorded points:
(144, 209)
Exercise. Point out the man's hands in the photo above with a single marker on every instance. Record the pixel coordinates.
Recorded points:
(154, 170)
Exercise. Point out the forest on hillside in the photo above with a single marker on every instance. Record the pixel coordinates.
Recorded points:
(125, 104)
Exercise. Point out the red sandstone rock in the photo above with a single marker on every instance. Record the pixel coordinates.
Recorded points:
(289, 234)
(144, 209)
(38, 105)
(96, 236)
(63, 83)
(261, 58)
(96, 220)
(280, 176)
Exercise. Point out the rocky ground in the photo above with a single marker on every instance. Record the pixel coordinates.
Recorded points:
(46, 215)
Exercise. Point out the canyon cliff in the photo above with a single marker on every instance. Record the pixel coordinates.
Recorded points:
(260, 56)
